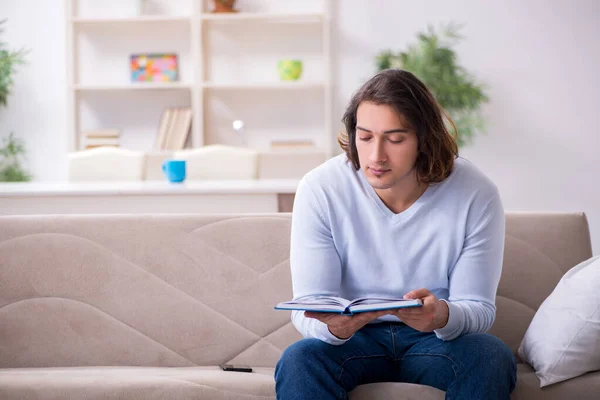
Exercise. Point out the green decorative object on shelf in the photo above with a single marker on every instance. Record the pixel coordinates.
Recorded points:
(289, 70)
(434, 62)
(12, 149)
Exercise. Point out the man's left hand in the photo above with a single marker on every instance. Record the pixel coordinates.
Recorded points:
(433, 314)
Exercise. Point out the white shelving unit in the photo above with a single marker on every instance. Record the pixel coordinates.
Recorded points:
(219, 85)
(132, 86)
(140, 19)
(268, 85)
(266, 16)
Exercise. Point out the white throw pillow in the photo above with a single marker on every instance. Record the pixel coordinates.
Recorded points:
(563, 339)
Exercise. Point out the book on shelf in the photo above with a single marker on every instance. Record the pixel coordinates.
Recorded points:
(174, 128)
(93, 146)
(292, 144)
(163, 128)
(180, 129)
(100, 138)
(102, 141)
(102, 133)
(330, 304)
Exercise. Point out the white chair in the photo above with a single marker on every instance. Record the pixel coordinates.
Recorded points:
(153, 161)
(105, 164)
(219, 162)
(288, 164)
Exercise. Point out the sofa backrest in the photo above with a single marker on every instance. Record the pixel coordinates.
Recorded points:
(187, 290)
(539, 249)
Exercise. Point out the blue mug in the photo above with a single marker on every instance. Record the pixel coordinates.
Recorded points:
(174, 170)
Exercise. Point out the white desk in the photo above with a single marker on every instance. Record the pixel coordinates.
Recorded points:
(252, 196)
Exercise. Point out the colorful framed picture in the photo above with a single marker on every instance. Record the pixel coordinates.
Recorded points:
(154, 67)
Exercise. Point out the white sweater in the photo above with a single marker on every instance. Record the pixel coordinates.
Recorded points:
(345, 242)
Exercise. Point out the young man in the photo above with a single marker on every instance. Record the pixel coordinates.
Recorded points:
(399, 214)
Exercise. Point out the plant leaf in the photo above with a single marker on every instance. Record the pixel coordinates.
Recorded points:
(433, 60)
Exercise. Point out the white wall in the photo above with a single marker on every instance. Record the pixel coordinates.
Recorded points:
(36, 109)
(539, 59)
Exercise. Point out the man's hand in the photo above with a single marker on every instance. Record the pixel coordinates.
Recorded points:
(344, 326)
(433, 314)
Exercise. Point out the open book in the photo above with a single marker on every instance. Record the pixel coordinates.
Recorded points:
(330, 304)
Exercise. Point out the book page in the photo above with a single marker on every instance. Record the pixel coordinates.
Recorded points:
(315, 303)
(384, 305)
(374, 300)
(329, 300)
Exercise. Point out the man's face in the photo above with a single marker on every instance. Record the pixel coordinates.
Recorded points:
(387, 146)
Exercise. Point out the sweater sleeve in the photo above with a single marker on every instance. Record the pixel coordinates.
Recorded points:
(315, 263)
(473, 280)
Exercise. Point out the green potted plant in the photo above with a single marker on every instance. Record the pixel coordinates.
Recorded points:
(11, 152)
(433, 60)
(13, 149)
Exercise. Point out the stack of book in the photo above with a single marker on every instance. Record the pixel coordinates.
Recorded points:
(174, 128)
(292, 144)
(101, 137)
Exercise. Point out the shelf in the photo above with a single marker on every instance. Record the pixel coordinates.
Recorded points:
(265, 85)
(121, 188)
(272, 17)
(207, 85)
(132, 86)
(226, 61)
(242, 16)
(140, 19)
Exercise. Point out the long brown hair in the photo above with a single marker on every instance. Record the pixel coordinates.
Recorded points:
(413, 100)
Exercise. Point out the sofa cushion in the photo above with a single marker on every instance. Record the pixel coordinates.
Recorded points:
(105, 164)
(539, 249)
(563, 340)
(528, 387)
(169, 383)
(155, 290)
(135, 383)
(218, 161)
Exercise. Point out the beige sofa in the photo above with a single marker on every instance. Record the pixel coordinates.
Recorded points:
(146, 307)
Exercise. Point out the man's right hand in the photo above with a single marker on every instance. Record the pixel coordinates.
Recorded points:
(344, 326)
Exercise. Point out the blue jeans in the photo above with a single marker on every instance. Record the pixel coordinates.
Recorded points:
(472, 366)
